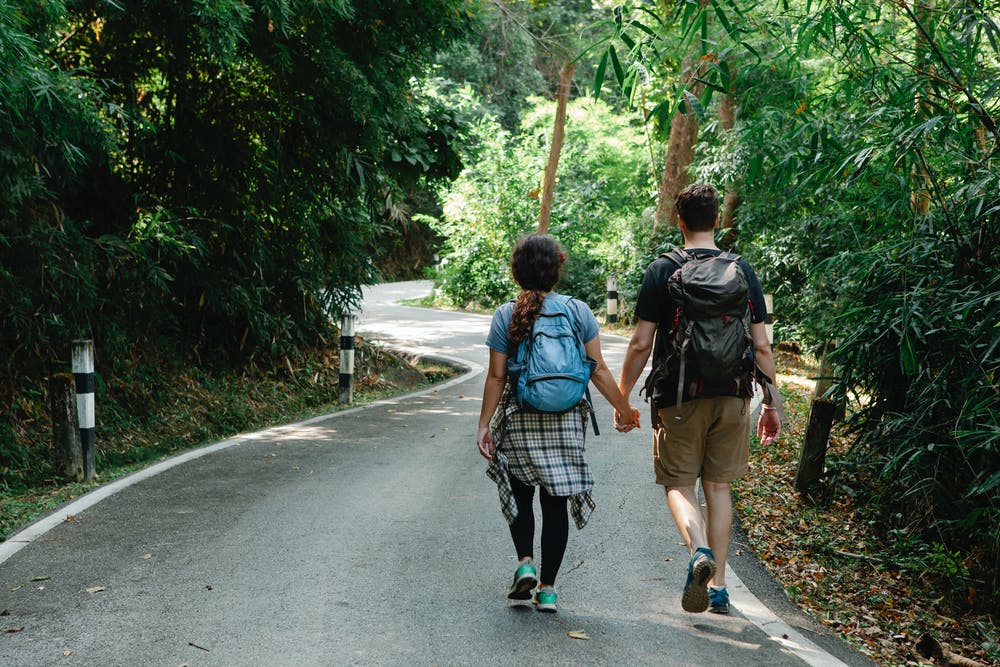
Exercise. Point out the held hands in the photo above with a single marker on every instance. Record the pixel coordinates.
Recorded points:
(625, 426)
(485, 441)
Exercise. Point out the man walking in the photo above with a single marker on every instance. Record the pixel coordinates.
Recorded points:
(701, 422)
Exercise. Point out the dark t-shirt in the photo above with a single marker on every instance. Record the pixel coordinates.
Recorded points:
(655, 305)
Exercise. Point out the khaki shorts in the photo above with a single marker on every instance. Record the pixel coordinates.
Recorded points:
(711, 441)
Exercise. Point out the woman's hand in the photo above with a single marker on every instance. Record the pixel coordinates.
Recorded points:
(485, 442)
(626, 426)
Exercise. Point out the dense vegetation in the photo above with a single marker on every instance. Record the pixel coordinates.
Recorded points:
(210, 181)
(863, 156)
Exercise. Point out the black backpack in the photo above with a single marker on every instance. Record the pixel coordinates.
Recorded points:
(708, 350)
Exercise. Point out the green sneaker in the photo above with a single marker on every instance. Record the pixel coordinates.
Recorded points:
(525, 580)
(545, 599)
(701, 568)
(718, 600)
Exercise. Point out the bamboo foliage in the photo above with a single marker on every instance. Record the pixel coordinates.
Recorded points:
(870, 205)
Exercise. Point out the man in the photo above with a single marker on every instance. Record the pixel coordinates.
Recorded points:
(708, 434)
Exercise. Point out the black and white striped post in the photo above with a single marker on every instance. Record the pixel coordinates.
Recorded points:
(347, 359)
(83, 374)
(612, 307)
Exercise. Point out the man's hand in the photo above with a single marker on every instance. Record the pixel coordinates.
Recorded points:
(768, 425)
(485, 442)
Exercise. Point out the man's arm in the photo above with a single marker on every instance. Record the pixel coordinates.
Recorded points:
(769, 422)
(637, 355)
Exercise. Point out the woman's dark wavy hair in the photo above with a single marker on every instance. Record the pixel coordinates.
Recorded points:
(536, 264)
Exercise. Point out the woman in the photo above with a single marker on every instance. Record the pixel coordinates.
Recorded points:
(528, 449)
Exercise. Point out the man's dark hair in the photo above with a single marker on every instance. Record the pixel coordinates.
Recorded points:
(698, 206)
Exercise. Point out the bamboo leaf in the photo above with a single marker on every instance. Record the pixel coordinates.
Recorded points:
(724, 20)
(617, 66)
(599, 75)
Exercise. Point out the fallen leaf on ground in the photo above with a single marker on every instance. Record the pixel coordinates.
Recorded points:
(67, 653)
(13, 630)
(96, 589)
(40, 578)
(578, 634)
(69, 517)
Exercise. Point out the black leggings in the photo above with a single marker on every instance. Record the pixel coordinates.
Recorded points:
(555, 527)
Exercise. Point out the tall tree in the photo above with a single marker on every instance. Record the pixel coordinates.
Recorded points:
(555, 148)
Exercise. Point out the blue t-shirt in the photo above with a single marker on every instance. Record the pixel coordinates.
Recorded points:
(583, 319)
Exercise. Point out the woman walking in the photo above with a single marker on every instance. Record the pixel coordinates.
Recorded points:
(529, 449)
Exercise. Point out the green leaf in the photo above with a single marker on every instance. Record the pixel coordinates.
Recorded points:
(692, 104)
(599, 75)
(617, 66)
(724, 20)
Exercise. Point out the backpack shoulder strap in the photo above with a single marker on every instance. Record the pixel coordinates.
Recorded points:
(563, 300)
(677, 255)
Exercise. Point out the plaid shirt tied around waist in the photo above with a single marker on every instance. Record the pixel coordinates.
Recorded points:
(542, 449)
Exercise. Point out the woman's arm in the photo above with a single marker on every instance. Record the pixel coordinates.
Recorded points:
(496, 378)
(605, 383)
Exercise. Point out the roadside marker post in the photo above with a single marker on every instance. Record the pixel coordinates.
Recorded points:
(347, 359)
(612, 307)
(83, 374)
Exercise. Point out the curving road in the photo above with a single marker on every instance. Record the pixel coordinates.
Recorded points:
(371, 537)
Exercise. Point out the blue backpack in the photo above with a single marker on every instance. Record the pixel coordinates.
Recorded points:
(550, 368)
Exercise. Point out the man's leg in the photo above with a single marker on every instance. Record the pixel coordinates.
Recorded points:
(719, 511)
(684, 507)
(683, 504)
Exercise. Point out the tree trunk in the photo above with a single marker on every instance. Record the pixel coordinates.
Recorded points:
(680, 154)
(65, 427)
(812, 456)
(920, 197)
(731, 200)
(558, 132)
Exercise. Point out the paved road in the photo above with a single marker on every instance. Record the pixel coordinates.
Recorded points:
(369, 537)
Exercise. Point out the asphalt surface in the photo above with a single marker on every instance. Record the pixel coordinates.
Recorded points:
(373, 537)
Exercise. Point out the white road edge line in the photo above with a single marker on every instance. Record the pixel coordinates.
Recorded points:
(32, 532)
(775, 628)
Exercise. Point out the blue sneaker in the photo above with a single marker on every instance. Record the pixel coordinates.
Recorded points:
(525, 580)
(701, 568)
(718, 600)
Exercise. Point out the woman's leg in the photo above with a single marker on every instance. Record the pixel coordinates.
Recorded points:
(555, 534)
(523, 529)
